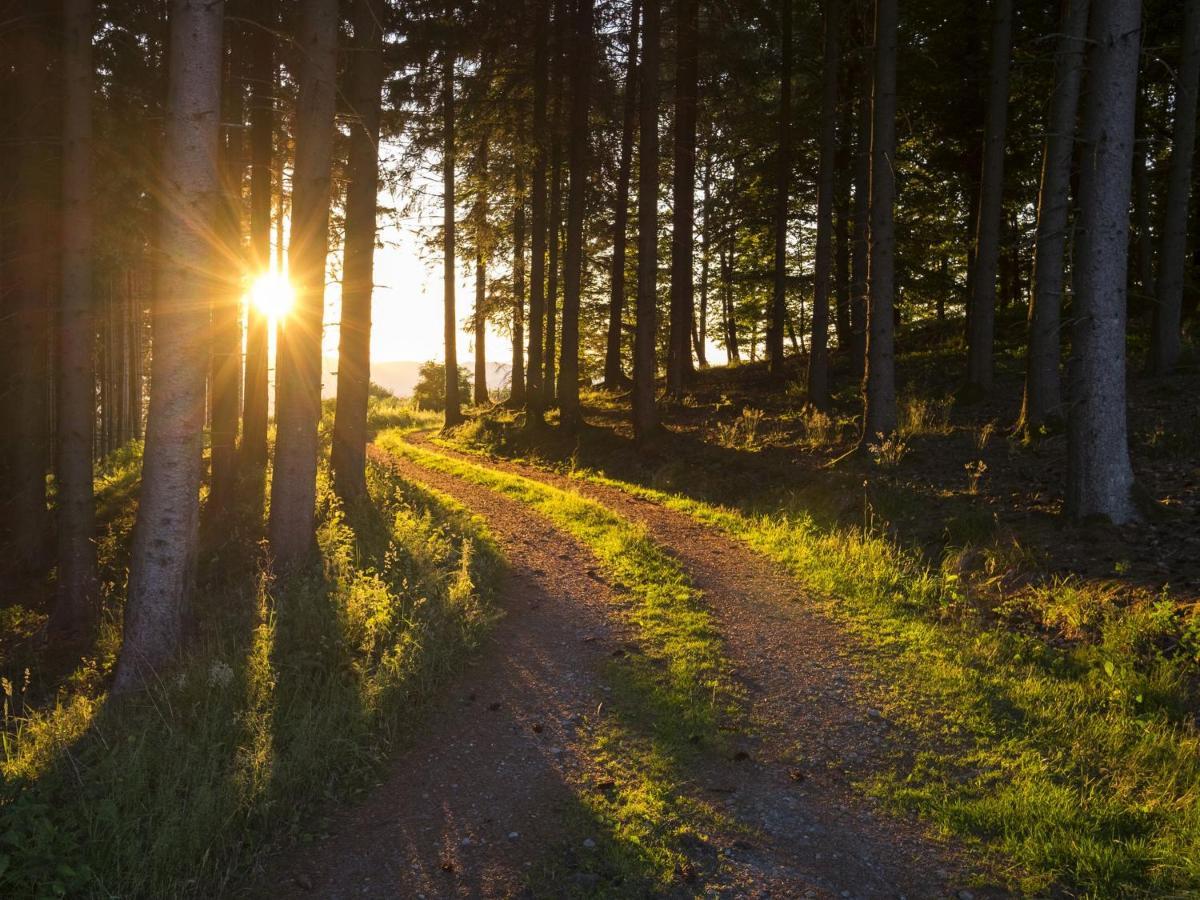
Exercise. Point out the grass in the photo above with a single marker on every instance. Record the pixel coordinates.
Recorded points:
(291, 694)
(667, 700)
(1056, 733)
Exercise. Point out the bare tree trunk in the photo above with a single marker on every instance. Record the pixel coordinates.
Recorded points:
(226, 312)
(298, 379)
(262, 126)
(1043, 403)
(879, 412)
(517, 377)
(78, 587)
(981, 332)
(784, 166)
(683, 238)
(1143, 201)
(1165, 339)
(1099, 474)
(645, 412)
(535, 387)
(348, 454)
(568, 370)
(29, 295)
(860, 250)
(482, 239)
(552, 262)
(701, 325)
(818, 359)
(842, 221)
(453, 415)
(163, 556)
(614, 377)
(731, 339)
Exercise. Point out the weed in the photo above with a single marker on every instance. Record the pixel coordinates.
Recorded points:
(743, 432)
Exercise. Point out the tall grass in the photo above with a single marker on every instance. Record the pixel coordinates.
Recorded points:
(291, 693)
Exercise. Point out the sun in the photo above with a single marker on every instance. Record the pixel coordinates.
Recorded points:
(272, 295)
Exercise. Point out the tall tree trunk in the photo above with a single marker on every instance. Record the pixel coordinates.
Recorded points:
(552, 259)
(482, 243)
(226, 312)
(298, 384)
(1043, 402)
(535, 397)
(645, 413)
(517, 377)
(614, 377)
(701, 326)
(568, 370)
(982, 330)
(783, 177)
(818, 359)
(1099, 474)
(78, 587)
(1143, 202)
(860, 250)
(262, 127)
(29, 294)
(1165, 339)
(841, 212)
(453, 415)
(732, 350)
(163, 555)
(348, 454)
(879, 412)
(683, 236)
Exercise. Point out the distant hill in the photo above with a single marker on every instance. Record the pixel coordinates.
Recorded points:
(400, 376)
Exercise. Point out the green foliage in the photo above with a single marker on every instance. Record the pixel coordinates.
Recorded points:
(289, 697)
(430, 391)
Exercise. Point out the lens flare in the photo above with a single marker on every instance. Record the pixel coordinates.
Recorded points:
(272, 295)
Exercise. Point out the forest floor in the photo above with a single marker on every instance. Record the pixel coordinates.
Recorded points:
(488, 800)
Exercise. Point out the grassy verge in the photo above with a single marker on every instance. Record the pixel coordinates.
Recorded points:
(666, 702)
(1076, 759)
(291, 694)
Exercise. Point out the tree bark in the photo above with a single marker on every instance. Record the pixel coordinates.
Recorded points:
(645, 412)
(1165, 338)
(818, 359)
(535, 397)
(783, 177)
(78, 587)
(860, 249)
(453, 414)
(298, 380)
(163, 555)
(879, 412)
(552, 257)
(262, 127)
(517, 377)
(1143, 232)
(568, 370)
(701, 327)
(1099, 474)
(348, 454)
(1043, 402)
(683, 238)
(614, 376)
(982, 327)
(482, 243)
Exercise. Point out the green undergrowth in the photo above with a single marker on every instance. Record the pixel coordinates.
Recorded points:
(669, 696)
(290, 695)
(1075, 762)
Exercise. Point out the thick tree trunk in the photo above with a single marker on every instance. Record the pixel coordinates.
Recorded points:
(535, 398)
(453, 414)
(1165, 339)
(1099, 474)
(568, 370)
(163, 555)
(783, 177)
(262, 126)
(517, 396)
(879, 412)
(645, 412)
(298, 381)
(981, 332)
(31, 265)
(78, 587)
(818, 360)
(683, 237)
(1043, 402)
(348, 454)
(482, 243)
(614, 377)
(226, 372)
